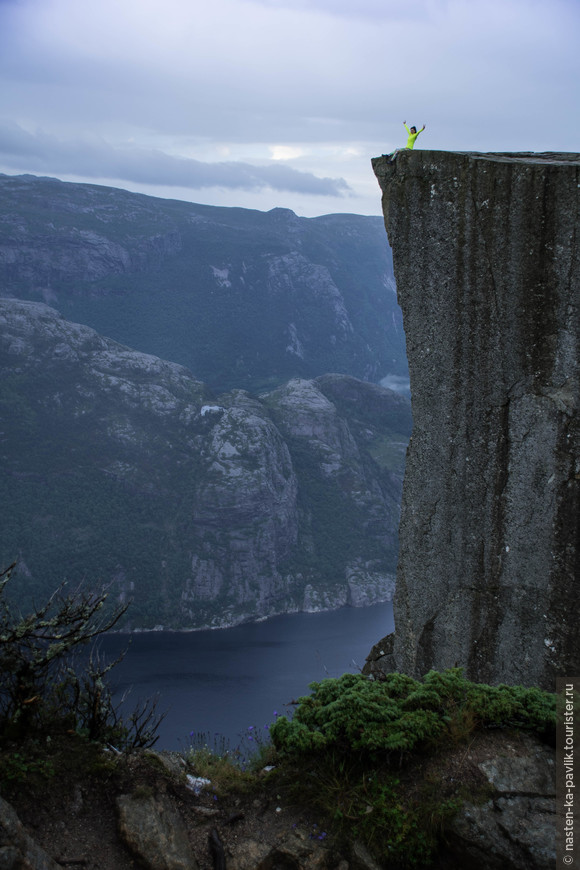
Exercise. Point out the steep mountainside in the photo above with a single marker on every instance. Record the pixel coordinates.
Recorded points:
(122, 468)
(490, 522)
(242, 298)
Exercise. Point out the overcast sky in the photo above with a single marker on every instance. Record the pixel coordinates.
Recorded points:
(264, 103)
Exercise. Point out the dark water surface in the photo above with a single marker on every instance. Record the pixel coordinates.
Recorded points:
(227, 680)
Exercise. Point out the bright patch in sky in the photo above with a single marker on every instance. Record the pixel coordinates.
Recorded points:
(285, 152)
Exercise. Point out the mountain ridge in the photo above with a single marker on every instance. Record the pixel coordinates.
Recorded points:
(243, 298)
(206, 510)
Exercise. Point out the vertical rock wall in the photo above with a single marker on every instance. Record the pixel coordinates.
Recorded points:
(486, 254)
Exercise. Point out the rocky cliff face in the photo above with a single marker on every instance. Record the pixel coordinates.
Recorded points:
(205, 510)
(487, 264)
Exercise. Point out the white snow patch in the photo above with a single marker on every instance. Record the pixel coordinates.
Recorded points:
(222, 276)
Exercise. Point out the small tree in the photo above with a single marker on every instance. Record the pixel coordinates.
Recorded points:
(40, 682)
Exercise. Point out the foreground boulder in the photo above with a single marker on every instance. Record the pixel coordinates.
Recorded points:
(517, 827)
(155, 833)
(18, 851)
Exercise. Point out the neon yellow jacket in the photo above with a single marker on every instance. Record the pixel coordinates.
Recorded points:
(412, 137)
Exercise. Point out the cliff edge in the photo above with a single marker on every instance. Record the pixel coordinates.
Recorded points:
(487, 264)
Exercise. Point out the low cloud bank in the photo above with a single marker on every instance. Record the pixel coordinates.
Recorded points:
(95, 158)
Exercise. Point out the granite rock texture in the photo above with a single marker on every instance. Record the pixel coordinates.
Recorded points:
(155, 833)
(18, 850)
(487, 263)
(516, 827)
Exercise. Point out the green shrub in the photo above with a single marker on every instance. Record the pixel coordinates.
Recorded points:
(346, 744)
(399, 713)
(17, 768)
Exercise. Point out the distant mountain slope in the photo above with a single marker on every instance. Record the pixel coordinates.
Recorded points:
(242, 298)
(119, 467)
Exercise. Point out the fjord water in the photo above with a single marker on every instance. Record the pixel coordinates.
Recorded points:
(223, 682)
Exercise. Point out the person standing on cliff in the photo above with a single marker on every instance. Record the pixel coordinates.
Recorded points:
(412, 138)
(412, 135)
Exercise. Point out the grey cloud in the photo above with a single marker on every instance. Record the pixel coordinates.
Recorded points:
(97, 159)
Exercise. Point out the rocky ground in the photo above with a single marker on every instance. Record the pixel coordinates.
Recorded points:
(75, 817)
(103, 811)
